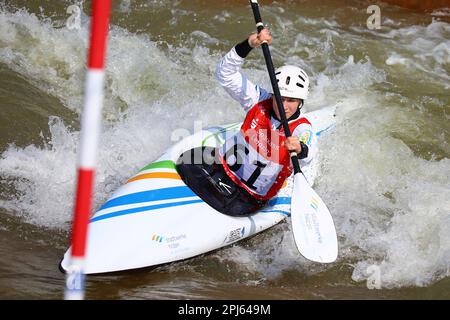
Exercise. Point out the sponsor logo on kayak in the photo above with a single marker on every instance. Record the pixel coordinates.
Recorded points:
(235, 235)
(172, 242)
(157, 238)
(176, 238)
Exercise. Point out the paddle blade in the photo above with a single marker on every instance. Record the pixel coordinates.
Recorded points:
(312, 224)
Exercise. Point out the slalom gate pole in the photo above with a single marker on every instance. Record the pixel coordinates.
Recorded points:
(90, 131)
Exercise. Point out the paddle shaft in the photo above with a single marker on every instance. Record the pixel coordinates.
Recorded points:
(312, 224)
(273, 80)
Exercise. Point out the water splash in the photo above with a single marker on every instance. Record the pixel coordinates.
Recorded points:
(390, 204)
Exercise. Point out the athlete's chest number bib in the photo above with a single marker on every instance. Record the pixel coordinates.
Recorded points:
(255, 171)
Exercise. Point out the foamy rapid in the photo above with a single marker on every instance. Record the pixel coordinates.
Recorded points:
(140, 110)
(390, 202)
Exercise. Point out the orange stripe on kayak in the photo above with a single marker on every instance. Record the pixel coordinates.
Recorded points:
(156, 175)
(168, 175)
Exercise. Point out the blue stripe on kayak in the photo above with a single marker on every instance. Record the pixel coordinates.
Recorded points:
(141, 209)
(151, 195)
(164, 194)
(278, 211)
(279, 200)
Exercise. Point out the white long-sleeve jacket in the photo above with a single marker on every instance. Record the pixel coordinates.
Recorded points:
(248, 94)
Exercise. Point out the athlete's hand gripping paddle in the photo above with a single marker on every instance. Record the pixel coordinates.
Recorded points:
(312, 224)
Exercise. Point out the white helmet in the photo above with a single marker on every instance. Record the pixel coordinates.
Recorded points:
(293, 82)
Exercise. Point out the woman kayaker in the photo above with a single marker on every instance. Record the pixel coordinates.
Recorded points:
(242, 175)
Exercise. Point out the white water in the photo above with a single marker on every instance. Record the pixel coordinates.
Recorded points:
(391, 207)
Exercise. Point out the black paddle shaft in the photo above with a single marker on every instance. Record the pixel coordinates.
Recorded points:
(273, 80)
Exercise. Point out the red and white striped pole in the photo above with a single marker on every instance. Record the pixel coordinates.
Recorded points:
(90, 131)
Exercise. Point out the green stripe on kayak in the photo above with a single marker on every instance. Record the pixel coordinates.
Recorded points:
(160, 164)
(216, 134)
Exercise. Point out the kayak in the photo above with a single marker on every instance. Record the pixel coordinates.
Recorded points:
(154, 218)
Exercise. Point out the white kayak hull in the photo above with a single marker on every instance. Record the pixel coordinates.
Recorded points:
(155, 218)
